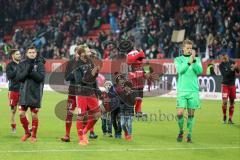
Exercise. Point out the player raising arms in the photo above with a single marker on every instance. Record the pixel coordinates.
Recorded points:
(228, 70)
(13, 85)
(87, 91)
(31, 74)
(188, 67)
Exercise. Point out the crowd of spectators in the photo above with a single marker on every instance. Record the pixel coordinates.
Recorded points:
(16, 10)
(214, 26)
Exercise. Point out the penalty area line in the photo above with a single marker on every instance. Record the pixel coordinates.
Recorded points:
(119, 150)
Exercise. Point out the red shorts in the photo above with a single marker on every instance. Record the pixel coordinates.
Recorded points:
(13, 98)
(228, 92)
(71, 103)
(85, 104)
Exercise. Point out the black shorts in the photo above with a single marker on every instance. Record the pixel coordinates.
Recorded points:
(25, 108)
(139, 92)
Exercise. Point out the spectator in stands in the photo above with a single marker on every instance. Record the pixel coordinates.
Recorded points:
(214, 25)
(210, 69)
(1, 68)
(113, 23)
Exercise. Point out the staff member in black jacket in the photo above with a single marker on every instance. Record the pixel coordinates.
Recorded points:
(13, 86)
(228, 70)
(31, 74)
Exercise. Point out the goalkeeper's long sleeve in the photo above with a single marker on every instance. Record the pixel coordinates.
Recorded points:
(187, 74)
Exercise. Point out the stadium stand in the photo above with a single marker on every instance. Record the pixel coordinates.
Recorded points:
(56, 25)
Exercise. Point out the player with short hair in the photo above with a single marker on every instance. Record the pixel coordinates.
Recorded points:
(228, 70)
(188, 67)
(13, 85)
(31, 74)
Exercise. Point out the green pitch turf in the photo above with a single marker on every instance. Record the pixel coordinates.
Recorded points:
(153, 138)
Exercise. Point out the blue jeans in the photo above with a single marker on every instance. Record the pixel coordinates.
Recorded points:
(115, 117)
(126, 123)
(107, 123)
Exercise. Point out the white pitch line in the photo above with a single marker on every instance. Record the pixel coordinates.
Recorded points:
(118, 150)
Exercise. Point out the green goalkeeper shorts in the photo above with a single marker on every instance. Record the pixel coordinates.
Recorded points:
(188, 100)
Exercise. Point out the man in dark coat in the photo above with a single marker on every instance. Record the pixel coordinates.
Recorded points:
(31, 74)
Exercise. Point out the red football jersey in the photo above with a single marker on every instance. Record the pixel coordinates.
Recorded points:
(137, 77)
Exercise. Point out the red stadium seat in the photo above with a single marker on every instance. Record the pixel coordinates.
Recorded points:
(105, 27)
(160, 55)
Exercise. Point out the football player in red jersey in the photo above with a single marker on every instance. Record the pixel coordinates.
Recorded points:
(228, 70)
(86, 94)
(13, 85)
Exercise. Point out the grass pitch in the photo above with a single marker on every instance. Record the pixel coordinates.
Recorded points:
(153, 138)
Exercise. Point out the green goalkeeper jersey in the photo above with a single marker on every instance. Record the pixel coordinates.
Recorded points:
(187, 74)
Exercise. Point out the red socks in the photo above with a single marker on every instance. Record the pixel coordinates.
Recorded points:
(34, 127)
(13, 126)
(92, 130)
(79, 124)
(89, 126)
(138, 106)
(231, 110)
(224, 110)
(68, 125)
(25, 123)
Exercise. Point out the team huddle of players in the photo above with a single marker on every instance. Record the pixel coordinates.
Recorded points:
(121, 98)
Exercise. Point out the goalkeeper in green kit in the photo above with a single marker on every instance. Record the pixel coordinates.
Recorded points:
(188, 67)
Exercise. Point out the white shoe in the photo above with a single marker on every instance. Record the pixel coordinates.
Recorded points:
(14, 130)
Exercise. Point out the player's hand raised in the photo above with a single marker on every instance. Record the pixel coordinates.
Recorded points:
(234, 67)
(192, 57)
(154, 76)
(95, 70)
(193, 54)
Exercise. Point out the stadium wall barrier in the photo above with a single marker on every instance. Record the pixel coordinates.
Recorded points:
(161, 66)
(210, 86)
